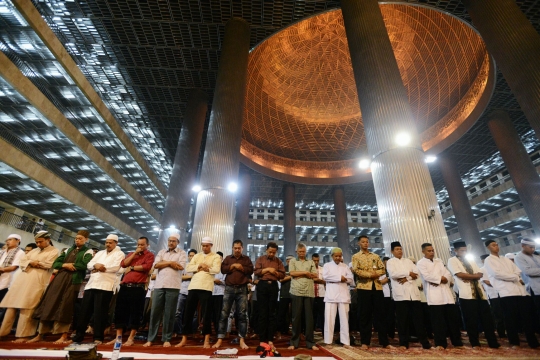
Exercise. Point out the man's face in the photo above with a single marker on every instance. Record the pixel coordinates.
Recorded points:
(27, 249)
(429, 252)
(80, 240)
(142, 245)
(397, 252)
(110, 244)
(12, 243)
(237, 250)
(493, 247)
(191, 255)
(528, 249)
(364, 243)
(461, 252)
(337, 257)
(301, 252)
(42, 243)
(316, 260)
(206, 248)
(172, 243)
(271, 252)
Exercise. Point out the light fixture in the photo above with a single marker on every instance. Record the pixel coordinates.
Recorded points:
(469, 257)
(232, 187)
(172, 227)
(156, 229)
(537, 240)
(364, 164)
(430, 158)
(196, 188)
(403, 139)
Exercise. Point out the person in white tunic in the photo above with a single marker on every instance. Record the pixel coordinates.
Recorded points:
(504, 276)
(528, 261)
(28, 287)
(403, 274)
(472, 298)
(9, 262)
(442, 308)
(337, 297)
(494, 301)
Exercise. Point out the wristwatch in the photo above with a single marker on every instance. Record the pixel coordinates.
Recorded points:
(132, 268)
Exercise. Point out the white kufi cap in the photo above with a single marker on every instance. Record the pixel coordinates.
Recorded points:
(207, 240)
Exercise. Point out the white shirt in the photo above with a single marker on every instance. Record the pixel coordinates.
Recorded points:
(398, 269)
(504, 276)
(431, 272)
(167, 277)
(203, 280)
(386, 287)
(185, 284)
(219, 289)
(490, 290)
(320, 287)
(105, 280)
(464, 289)
(530, 271)
(5, 278)
(337, 291)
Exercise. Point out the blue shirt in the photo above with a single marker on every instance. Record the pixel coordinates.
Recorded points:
(530, 271)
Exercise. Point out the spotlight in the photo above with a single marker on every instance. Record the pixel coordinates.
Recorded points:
(156, 229)
(403, 139)
(364, 164)
(172, 227)
(469, 257)
(537, 240)
(232, 187)
(430, 158)
(196, 188)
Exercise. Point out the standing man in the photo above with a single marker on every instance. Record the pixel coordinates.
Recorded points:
(269, 269)
(338, 277)
(368, 267)
(284, 304)
(494, 300)
(205, 266)
(55, 311)
(169, 264)
(237, 269)
(302, 271)
(504, 277)
(472, 298)
(182, 297)
(403, 274)
(318, 301)
(99, 290)
(28, 288)
(130, 301)
(529, 264)
(9, 262)
(217, 295)
(442, 307)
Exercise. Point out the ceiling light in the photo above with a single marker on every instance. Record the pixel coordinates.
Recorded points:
(172, 227)
(232, 187)
(469, 257)
(156, 229)
(196, 188)
(537, 240)
(364, 164)
(403, 139)
(430, 158)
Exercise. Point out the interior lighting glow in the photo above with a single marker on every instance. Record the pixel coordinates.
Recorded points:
(403, 139)
(156, 229)
(469, 257)
(537, 240)
(364, 164)
(196, 188)
(430, 159)
(232, 187)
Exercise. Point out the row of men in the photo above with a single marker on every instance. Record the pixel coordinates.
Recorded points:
(54, 309)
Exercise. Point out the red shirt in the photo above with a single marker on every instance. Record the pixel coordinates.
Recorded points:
(138, 277)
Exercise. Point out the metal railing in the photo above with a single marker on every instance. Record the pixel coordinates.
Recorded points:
(24, 224)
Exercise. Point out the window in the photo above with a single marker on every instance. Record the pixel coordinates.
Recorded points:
(332, 219)
(260, 210)
(324, 212)
(483, 185)
(272, 211)
(260, 217)
(280, 211)
(363, 214)
(251, 216)
(312, 219)
(373, 214)
(270, 217)
(281, 218)
(312, 213)
(250, 210)
(354, 220)
(303, 212)
(506, 241)
(505, 172)
(302, 218)
(354, 214)
(493, 179)
(323, 219)
(332, 213)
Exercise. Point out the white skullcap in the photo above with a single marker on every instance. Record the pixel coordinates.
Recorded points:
(207, 240)
(112, 237)
(527, 241)
(289, 257)
(510, 256)
(14, 236)
(42, 234)
(175, 235)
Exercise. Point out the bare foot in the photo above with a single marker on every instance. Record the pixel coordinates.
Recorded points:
(329, 346)
(20, 340)
(291, 347)
(217, 344)
(243, 344)
(183, 342)
(166, 344)
(39, 337)
(98, 342)
(316, 348)
(89, 330)
(364, 347)
(107, 330)
(129, 342)
(402, 348)
(438, 348)
(63, 340)
(389, 347)
(345, 346)
(111, 342)
(147, 344)
(206, 345)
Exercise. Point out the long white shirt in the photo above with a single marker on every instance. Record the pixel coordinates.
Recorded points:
(337, 291)
(105, 280)
(6, 278)
(490, 290)
(504, 276)
(398, 269)
(219, 289)
(431, 272)
(320, 290)
(530, 271)
(461, 287)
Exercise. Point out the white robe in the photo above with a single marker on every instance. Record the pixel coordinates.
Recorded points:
(398, 269)
(337, 291)
(504, 276)
(431, 273)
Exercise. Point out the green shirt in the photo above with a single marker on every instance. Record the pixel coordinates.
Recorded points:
(81, 261)
(302, 286)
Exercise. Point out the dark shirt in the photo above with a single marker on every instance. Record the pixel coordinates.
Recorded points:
(138, 277)
(264, 262)
(285, 292)
(236, 277)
